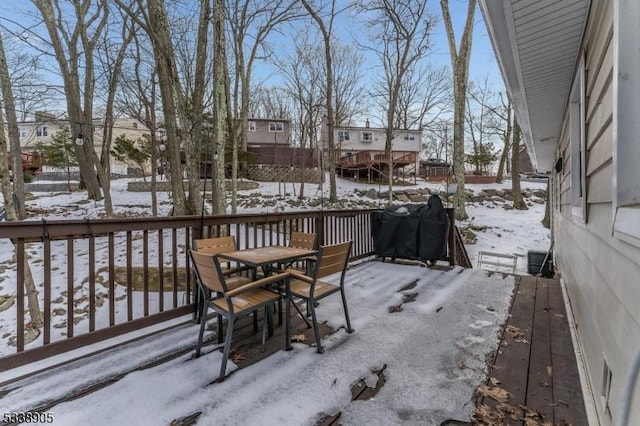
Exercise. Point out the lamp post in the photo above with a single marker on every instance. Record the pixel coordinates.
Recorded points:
(80, 139)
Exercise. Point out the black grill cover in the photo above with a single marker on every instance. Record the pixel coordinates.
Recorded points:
(411, 231)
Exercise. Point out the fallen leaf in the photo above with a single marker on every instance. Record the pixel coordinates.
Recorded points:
(497, 393)
(494, 381)
(549, 370)
(514, 331)
(461, 365)
(298, 338)
(236, 358)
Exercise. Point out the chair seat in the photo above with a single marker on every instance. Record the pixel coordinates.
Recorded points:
(247, 301)
(302, 289)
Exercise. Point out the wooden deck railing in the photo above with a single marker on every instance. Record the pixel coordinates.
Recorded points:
(101, 278)
(366, 158)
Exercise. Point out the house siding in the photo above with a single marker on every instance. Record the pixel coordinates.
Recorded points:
(262, 135)
(600, 271)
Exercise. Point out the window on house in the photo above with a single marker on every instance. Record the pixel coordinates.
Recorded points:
(276, 126)
(23, 132)
(409, 137)
(366, 136)
(135, 124)
(577, 145)
(626, 104)
(343, 135)
(42, 131)
(252, 126)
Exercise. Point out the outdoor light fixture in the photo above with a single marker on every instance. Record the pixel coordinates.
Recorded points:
(162, 147)
(79, 140)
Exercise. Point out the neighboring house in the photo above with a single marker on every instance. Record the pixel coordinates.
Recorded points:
(266, 132)
(350, 140)
(363, 149)
(44, 126)
(573, 72)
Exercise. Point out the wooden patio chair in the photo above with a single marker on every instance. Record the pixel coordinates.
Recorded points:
(304, 240)
(232, 298)
(331, 259)
(217, 245)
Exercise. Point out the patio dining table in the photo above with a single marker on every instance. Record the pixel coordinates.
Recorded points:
(265, 258)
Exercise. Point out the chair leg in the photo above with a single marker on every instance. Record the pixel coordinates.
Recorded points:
(203, 322)
(316, 332)
(303, 316)
(227, 349)
(346, 310)
(264, 326)
(220, 329)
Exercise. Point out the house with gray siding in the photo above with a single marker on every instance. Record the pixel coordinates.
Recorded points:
(263, 132)
(572, 69)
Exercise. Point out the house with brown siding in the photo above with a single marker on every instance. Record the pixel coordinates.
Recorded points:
(572, 69)
(267, 132)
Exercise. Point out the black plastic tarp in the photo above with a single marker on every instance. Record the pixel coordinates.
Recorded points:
(411, 231)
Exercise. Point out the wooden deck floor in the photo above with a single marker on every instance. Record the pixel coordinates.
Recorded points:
(535, 362)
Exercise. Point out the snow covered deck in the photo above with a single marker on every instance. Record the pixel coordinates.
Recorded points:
(429, 333)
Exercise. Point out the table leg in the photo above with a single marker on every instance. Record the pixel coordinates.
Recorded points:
(287, 319)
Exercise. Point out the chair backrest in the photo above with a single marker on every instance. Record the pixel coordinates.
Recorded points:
(303, 240)
(207, 271)
(216, 245)
(332, 259)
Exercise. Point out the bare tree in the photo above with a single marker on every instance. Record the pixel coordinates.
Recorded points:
(325, 25)
(138, 99)
(13, 133)
(12, 215)
(400, 36)
(480, 113)
(460, 64)
(518, 201)
(348, 84)
(303, 83)
(270, 102)
(505, 114)
(251, 23)
(74, 52)
(221, 108)
(111, 57)
(424, 96)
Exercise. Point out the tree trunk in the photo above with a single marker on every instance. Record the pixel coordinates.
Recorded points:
(331, 146)
(518, 200)
(13, 133)
(29, 284)
(546, 220)
(503, 160)
(165, 61)
(221, 105)
(460, 65)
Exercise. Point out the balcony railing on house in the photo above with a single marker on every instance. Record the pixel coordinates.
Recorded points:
(376, 162)
(103, 278)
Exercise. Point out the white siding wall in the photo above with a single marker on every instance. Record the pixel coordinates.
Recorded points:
(602, 273)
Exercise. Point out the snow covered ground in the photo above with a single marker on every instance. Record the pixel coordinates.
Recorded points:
(435, 348)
